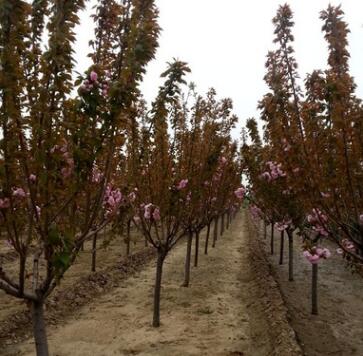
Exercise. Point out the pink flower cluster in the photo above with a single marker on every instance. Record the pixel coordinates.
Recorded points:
(92, 83)
(316, 254)
(317, 219)
(240, 193)
(19, 193)
(69, 163)
(274, 171)
(182, 184)
(112, 200)
(283, 225)
(151, 211)
(347, 244)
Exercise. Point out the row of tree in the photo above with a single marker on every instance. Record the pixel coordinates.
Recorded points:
(78, 157)
(305, 175)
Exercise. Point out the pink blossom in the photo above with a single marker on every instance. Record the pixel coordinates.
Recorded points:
(112, 200)
(182, 184)
(283, 225)
(240, 193)
(266, 175)
(33, 178)
(93, 76)
(19, 192)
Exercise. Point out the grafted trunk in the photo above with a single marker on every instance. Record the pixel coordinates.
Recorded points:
(291, 256)
(314, 290)
(215, 231)
(272, 238)
(187, 260)
(281, 248)
(196, 256)
(157, 288)
(207, 240)
(94, 252)
(39, 331)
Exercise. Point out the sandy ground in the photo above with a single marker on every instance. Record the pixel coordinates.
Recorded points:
(223, 312)
(106, 257)
(338, 329)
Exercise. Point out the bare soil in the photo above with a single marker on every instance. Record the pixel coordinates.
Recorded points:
(232, 307)
(338, 329)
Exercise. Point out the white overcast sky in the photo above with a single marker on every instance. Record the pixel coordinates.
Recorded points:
(225, 43)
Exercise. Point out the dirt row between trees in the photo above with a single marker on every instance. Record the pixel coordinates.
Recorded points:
(78, 287)
(338, 329)
(232, 307)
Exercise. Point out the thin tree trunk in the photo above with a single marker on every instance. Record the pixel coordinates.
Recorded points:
(215, 231)
(39, 331)
(291, 256)
(196, 249)
(314, 290)
(272, 238)
(187, 260)
(157, 288)
(128, 240)
(207, 240)
(222, 225)
(265, 230)
(228, 222)
(94, 252)
(282, 248)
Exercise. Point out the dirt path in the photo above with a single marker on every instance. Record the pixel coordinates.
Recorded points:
(338, 329)
(106, 257)
(221, 313)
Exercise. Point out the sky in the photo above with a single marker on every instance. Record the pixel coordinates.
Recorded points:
(225, 44)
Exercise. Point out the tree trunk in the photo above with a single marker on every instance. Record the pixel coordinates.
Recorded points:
(227, 221)
(157, 289)
(187, 260)
(265, 230)
(291, 256)
(207, 240)
(40, 335)
(128, 238)
(196, 249)
(282, 248)
(94, 252)
(215, 232)
(272, 238)
(222, 225)
(314, 290)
